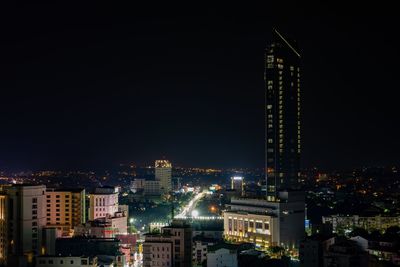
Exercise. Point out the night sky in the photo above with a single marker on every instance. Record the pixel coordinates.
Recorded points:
(90, 86)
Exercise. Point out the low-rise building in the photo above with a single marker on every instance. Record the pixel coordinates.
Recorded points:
(312, 249)
(105, 249)
(223, 255)
(341, 222)
(200, 249)
(158, 251)
(178, 237)
(345, 253)
(107, 227)
(66, 261)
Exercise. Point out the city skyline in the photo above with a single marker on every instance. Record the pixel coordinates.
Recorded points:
(172, 92)
(235, 135)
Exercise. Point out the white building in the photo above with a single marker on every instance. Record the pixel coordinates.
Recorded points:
(200, 249)
(103, 203)
(222, 255)
(163, 173)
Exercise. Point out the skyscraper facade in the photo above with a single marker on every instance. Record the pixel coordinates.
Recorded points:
(26, 218)
(163, 173)
(282, 115)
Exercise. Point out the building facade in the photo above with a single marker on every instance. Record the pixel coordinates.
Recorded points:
(3, 230)
(266, 223)
(200, 249)
(369, 223)
(106, 227)
(224, 255)
(66, 261)
(282, 115)
(163, 173)
(65, 209)
(157, 252)
(237, 184)
(177, 237)
(26, 218)
(152, 187)
(103, 203)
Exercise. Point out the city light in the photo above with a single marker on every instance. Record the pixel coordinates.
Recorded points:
(195, 213)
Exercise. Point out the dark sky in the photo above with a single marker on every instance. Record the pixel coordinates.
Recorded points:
(92, 85)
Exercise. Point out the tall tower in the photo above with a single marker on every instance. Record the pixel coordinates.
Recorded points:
(282, 115)
(163, 173)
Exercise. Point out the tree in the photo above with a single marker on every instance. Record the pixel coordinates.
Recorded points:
(359, 232)
(276, 251)
(393, 230)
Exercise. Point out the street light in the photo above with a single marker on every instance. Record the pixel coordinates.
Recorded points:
(195, 213)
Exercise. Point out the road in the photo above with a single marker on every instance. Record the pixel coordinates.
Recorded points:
(187, 210)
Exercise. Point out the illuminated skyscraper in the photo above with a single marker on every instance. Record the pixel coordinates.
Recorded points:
(278, 220)
(163, 173)
(282, 115)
